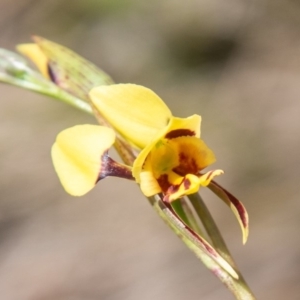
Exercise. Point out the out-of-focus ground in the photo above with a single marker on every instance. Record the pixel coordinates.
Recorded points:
(234, 62)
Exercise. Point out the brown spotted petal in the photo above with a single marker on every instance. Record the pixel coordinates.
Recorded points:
(236, 206)
(189, 184)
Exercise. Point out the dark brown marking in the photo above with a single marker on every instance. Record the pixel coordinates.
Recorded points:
(51, 73)
(173, 189)
(179, 132)
(164, 182)
(187, 165)
(186, 183)
(209, 175)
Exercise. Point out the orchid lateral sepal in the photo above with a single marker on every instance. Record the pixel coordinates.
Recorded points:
(235, 205)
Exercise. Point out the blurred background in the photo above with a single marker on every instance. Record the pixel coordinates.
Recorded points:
(237, 64)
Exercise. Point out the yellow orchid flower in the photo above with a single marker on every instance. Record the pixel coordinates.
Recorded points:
(80, 153)
(172, 153)
(172, 162)
(172, 156)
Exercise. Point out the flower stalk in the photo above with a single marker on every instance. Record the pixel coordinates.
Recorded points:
(235, 284)
(219, 244)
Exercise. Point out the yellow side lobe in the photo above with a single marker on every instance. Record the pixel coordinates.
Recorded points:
(134, 111)
(37, 56)
(148, 182)
(77, 155)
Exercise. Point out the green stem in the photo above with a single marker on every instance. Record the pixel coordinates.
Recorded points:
(49, 89)
(178, 208)
(192, 220)
(210, 226)
(240, 291)
(215, 236)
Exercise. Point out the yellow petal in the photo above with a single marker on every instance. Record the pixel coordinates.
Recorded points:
(37, 56)
(149, 185)
(140, 161)
(180, 125)
(76, 156)
(163, 157)
(189, 184)
(134, 111)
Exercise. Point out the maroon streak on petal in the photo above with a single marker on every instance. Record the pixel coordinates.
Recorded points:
(168, 188)
(179, 132)
(209, 174)
(186, 183)
(163, 182)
